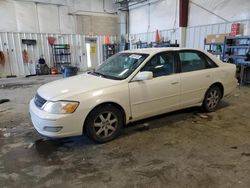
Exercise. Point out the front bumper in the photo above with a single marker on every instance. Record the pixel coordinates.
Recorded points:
(55, 125)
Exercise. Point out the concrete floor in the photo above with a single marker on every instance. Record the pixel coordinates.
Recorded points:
(180, 149)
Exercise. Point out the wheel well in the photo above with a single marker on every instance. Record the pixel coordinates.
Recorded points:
(218, 84)
(108, 104)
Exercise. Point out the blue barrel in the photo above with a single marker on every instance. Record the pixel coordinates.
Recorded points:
(69, 71)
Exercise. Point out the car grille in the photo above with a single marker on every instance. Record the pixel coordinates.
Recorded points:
(39, 101)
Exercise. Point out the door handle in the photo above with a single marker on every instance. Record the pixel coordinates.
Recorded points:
(208, 76)
(173, 83)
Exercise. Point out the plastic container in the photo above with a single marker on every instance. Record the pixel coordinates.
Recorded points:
(69, 71)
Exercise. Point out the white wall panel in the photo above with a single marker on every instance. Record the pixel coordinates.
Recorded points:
(61, 2)
(159, 14)
(138, 20)
(78, 5)
(8, 16)
(48, 18)
(93, 6)
(164, 15)
(26, 17)
(66, 21)
(230, 10)
(198, 16)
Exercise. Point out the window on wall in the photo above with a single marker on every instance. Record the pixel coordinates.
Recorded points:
(193, 61)
(161, 65)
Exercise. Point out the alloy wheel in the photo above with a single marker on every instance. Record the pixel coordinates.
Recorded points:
(105, 124)
(213, 99)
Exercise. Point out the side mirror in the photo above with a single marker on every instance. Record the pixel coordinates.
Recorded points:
(145, 75)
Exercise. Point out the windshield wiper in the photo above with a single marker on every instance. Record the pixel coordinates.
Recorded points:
(97, 74)
(103, 75)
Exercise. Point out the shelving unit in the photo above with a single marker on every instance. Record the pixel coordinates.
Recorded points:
(61, 56)
(214, 48)
(247, 74)
(140, 44)
(109, 50)
(235, 50)
(164, 44)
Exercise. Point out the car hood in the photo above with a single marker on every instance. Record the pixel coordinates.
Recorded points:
(57, 90)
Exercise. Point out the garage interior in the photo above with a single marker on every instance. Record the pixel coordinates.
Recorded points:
(46, 40)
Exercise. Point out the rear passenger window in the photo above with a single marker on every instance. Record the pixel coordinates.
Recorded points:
(192, 61)
(210, 63)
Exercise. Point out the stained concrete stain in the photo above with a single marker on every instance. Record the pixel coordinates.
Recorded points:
(181, 149)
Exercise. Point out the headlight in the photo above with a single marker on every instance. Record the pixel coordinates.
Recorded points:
(60, 107)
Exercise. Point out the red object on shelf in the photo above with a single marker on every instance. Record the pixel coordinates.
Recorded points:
(107, 39)
(235, 26)
(157, 36)
(235, 29)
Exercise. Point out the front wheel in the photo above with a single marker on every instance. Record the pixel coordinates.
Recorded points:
(212, 99)
(104, 123)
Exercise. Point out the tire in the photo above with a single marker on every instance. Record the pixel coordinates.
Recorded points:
(212, 99)
(104, 123)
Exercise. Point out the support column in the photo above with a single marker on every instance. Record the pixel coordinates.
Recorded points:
(183, 21)
(182, 33)
(123, 27)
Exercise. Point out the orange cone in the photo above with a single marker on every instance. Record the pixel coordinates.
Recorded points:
(157, 37)
(106, 39)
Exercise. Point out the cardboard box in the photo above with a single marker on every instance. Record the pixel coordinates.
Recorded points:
(219, 38)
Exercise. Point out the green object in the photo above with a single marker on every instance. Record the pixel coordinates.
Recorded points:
(218, 48)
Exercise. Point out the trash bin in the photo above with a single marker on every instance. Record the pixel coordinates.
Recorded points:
(69, 71)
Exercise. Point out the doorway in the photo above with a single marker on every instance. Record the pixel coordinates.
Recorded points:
(91, 53)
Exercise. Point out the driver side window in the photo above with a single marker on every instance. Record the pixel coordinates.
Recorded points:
(161, 65)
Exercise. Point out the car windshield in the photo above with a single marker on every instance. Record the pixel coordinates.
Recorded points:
(120, 65)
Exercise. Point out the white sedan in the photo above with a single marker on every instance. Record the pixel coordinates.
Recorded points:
(130, 86)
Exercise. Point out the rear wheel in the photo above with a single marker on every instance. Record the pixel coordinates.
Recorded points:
(212, 99)
(104, 123)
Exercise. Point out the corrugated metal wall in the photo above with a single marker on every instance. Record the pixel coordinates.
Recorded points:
(11, 45)
(197, 34)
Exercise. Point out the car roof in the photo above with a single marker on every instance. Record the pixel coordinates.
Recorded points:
(152, 51)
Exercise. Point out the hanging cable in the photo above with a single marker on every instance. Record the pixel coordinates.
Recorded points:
(175, 17)
(148, 29)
